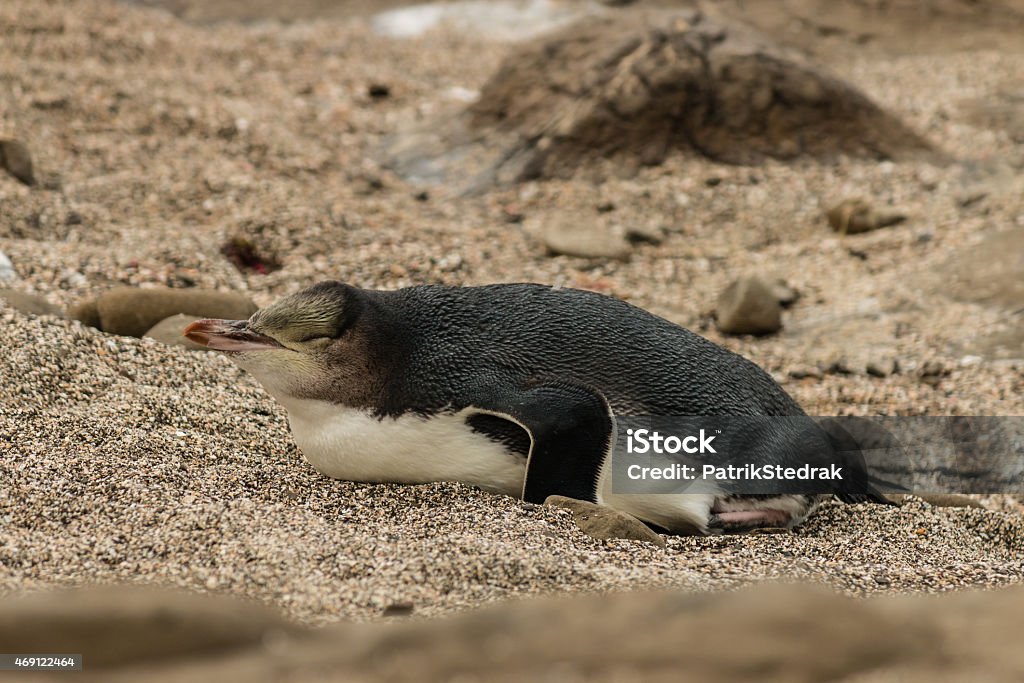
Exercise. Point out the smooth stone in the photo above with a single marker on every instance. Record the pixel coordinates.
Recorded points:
(17, 160)
(132, 312)
(605, 523)
(169, 331)
(854, 216)
(575, 237)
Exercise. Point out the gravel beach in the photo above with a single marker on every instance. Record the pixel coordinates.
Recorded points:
(157, 142)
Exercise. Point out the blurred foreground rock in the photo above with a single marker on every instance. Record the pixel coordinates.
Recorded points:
(133, 312)
(632, 88)
(783, 633)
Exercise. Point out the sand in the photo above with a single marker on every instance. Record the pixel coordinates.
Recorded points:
(155, 141)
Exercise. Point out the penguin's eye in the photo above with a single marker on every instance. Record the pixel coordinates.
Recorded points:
(318, 339)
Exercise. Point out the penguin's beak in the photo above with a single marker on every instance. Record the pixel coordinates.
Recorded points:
(229, 335)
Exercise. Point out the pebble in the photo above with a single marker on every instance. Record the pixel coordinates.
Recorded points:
(749, 306)
(854, 216)
(576, 236)
(17, 160)
(168, 331)
(132, 311)
(605, 523)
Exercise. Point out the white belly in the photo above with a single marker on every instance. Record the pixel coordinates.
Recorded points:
(350, 444)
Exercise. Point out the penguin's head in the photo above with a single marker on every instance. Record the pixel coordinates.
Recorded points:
(310, 344)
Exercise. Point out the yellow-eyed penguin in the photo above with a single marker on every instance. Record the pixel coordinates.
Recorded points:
(513, 388)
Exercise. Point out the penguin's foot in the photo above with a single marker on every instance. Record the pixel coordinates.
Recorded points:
(740, 514)
(740, 521)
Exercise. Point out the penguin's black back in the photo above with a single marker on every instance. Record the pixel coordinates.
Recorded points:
(442, 344)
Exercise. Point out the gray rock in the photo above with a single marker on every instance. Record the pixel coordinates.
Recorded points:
(854, 216)
(7, 271)
(634, 87)
(605, 523)
(749, 306)
(16, 160)
(574, 237)
(133, 312)
(169, 330)
(32, 304)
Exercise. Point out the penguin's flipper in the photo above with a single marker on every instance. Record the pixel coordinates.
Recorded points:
(572, 434)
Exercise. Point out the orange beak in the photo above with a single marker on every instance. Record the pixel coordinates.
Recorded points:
(229, 335)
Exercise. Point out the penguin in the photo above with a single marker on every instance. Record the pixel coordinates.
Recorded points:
(513, 388)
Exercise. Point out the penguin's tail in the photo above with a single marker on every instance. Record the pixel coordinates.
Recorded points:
(850, 437)
(871, 494)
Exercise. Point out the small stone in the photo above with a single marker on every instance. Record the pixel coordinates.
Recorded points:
(572, 237)
(398, 609)
(169, 331)
(933, 368)
(378, 91)
(854, 216)
(881, 367)
(606, 523)
(841, 366)
(31, 304)
(649, 234)
(748, 306)
(132, 312)
(16, 160)
(512, 213)
(805, 372)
